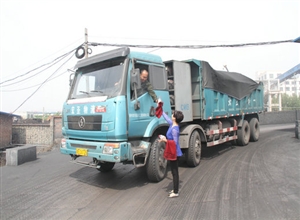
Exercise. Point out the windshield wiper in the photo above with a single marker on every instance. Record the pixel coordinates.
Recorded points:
(99, 91)
(84, 92)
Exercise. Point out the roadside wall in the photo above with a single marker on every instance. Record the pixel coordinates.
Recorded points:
(39, 134)
(5, 130)
(281, 117)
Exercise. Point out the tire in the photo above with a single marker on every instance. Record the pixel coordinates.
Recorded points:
(243, 134)
(156, 164)
(193, 154)
(77, 54)
(106, 167)
(254, 129)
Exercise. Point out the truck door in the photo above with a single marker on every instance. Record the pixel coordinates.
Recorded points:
(139, 119)
(181, 91)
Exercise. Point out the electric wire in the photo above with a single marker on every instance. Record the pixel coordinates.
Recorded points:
(191, 46)
(75, 42)
(42, 84)
(17, 90)
(57, 61)
(62, 56)
(156, 47)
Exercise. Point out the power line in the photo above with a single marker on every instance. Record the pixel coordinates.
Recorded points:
(150, 46)
(17, 90)
(55, 62)
(60, 57)
(191, 46)
(50, 55)
(42, 84)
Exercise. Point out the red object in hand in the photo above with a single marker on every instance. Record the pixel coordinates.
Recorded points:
(170, 150)
(159, 109)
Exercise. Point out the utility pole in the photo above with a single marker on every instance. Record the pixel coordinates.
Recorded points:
(86, 43)
(225, 66)
(43, 119)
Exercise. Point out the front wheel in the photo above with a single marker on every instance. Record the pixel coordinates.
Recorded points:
(194, 151)
(156, 164)
(106, 167)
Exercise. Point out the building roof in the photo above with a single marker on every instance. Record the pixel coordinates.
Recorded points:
(9, 114)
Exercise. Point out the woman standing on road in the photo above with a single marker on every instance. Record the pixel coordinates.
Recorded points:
(173, 135)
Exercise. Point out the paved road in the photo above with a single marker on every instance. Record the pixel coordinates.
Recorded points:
(259, 181)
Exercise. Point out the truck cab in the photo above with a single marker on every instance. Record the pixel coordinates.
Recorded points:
(104, 119)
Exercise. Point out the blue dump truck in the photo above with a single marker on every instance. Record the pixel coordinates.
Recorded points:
(104, 119)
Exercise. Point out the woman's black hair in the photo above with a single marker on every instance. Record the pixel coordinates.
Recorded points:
(178, 115)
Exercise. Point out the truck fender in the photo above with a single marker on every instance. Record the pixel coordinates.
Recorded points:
(152, 126)
(246, 117)
(185, 134)
(241, 121)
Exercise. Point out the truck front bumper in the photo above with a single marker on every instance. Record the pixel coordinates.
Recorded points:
(102, 151)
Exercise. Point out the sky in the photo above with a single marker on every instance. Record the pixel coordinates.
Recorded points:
(33, 34)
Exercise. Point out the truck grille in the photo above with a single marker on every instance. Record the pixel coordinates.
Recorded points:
(86, 123)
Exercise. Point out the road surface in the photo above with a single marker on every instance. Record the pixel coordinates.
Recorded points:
(258, 181)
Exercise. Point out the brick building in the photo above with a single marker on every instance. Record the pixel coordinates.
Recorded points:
(6, 120)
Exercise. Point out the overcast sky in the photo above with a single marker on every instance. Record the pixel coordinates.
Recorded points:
(34, 33)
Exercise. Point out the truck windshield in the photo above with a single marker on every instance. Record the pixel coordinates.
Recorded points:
(99, 82)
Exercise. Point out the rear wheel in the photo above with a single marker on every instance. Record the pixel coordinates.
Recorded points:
(243, 134)
(106, 167)
(254, 129)
(193, 154)
(156, 164)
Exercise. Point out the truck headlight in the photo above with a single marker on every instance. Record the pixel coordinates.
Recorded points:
(63, 143)
(109, 148)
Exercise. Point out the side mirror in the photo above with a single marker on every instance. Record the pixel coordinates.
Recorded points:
(135, 83)
(135, 79)
(71, 78)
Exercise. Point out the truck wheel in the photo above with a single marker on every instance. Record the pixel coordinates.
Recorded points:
(194, 151)
(105, 167)
(156, 164)
(254, 129)
(243, 134)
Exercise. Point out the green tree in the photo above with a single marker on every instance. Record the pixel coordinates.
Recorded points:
(288, 102)
(58, 113)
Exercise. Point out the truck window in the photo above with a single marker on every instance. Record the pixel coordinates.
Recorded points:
(158, 77)
(87, 83)
(98, 82)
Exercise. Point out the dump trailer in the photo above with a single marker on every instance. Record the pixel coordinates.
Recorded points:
(105, 120)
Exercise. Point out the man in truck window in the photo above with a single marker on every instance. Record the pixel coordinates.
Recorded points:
(146, 86)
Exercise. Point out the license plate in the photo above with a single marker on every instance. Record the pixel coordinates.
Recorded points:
(81, 152)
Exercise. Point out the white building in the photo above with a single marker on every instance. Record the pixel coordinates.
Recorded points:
(290, 86)
(273, 87)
